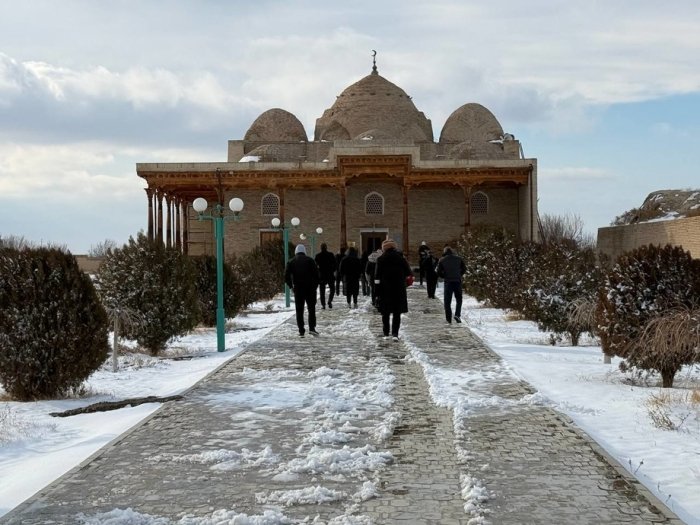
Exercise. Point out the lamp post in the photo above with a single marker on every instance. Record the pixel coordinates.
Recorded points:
(218, 217)
(312, 236)
(277, 225)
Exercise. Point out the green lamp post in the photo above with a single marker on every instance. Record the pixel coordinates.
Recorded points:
(218, 217)
(277, 225)
(312, 236)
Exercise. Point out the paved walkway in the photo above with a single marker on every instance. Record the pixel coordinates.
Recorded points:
(504, 462)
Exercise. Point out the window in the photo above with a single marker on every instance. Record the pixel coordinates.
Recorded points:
(374, 204)
(480, 203)
(270, 204)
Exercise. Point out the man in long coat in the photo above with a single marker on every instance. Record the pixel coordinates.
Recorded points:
(390, 279)
(301, 275)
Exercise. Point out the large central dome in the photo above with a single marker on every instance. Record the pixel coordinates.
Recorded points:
(373, 108)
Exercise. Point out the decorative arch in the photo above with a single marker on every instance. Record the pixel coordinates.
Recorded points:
(374, 203)
(479, 203)
(270, 204)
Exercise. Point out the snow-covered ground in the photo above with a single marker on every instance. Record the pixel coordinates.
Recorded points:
(615, 409)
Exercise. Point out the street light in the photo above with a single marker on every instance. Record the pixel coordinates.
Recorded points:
(218, 217)
(277, 225)
(312, 236)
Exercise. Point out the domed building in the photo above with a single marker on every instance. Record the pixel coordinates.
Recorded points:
(372, 170)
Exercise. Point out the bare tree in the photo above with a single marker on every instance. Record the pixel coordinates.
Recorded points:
(120, 317)
(101, 249)
(557, 228)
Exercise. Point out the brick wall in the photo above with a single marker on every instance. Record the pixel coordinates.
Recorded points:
(615, 240)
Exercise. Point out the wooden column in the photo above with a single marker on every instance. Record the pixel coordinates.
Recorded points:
(467, 207)
(149, 196)
(169, 221)
(159, 216)
(185, 227)
(343, 219)
(404, 195)
(178, 224)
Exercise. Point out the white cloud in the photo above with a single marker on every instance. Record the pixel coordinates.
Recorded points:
(576, 173)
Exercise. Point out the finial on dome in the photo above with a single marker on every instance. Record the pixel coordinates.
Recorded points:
(374, 63)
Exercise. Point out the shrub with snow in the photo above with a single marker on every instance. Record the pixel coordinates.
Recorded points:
(53, 329)
(206, 283)
(157, 282)
(261, 271)
(561, 274)
(645, 284)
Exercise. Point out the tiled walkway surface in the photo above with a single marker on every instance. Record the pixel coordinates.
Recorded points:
(509, 463)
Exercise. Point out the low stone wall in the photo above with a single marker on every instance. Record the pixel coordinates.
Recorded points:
(615, 240)
(89, 264)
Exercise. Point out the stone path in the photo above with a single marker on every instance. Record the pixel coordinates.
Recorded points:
(494, 459)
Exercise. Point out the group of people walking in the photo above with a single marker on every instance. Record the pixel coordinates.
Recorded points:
(385, 275)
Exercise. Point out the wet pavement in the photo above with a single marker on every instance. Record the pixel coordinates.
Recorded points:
(398, 458)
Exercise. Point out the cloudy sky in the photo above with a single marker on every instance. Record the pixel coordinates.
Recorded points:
(605, 94)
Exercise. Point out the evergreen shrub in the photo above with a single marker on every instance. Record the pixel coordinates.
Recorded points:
(53, 329)
(206, 281)
(260, 272)
(157, 283)
(643, 285)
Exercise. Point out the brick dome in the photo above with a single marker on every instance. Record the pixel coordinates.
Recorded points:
(471, 123)
(276, 125)
(373, 106)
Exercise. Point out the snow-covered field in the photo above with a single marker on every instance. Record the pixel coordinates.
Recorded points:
(613, 408)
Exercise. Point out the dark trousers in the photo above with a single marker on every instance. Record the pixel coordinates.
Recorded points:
(338, 278)
(309, 299)
(431, 280)
(322, 291)
(365, 284)
(395, 323)
(453, 288)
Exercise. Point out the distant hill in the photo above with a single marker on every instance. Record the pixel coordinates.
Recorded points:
(663, 205)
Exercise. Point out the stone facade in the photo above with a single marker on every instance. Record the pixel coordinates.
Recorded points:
(615, 240)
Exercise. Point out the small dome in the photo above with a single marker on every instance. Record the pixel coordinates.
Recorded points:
(276, 125)
(471, 122)
(373, 104)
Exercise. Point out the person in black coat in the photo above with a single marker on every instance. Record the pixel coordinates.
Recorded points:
(325, 261)
(363, 275)
(338, 257)
(451, 268)
(428, 268)
(423, 249)
(350, 270)
(301, 275)
(390, 279)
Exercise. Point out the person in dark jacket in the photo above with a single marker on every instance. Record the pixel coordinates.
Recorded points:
(390, 279)
(363, 275)
(427, 266)
(423, 249)
(350, 270)
(325, 261)
(301, 275)
(338, 257)
(451, 268)
(369, 271)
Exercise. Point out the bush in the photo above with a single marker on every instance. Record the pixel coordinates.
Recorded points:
(644, 284)
(206, 281)
(562, 275)
(491, 260)
(53, 329)
(261, 272)
(156, 282)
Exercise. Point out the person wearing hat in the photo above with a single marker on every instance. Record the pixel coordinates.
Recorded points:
(423, 250)
(390, 275)
(301, 275)
(451, 268)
